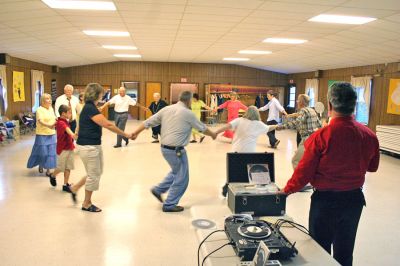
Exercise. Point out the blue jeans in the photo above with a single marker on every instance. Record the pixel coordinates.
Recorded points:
(177, 180)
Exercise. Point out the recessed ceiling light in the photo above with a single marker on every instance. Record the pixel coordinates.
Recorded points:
(254, 52)
(83, 5)
(236, 59)
(120, 47)
(339, 19)
(128, 55)
(284, 40)
(106, 33)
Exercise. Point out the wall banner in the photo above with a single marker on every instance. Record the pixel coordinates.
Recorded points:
(393, 106)
(18, 86)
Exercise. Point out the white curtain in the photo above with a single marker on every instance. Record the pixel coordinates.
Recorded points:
(363, 82)
(281, 95)
(37, 88)
(311, 90)
(3, 90)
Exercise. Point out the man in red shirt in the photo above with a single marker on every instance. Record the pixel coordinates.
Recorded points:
(335, 162)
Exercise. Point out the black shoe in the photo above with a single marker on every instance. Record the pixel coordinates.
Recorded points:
(276, 144)
(53, 180)
(126, 142)
(73, 197)
(40, 169)
(225, 190)
(173, 209)
(158, 196)
(202, 138)
(67, 188)
(193, 141)
(117, 146)
(155, 141)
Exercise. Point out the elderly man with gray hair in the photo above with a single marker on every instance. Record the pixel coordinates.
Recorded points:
(305, 121)
(121, 109)
(177, 121)
(154, 108)
(69, 100)
(335, 162)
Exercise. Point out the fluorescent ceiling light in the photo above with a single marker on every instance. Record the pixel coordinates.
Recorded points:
(284, 40)
(106, 33)
(254, 52)
(339, 19)
(236, 59)
(82, 5)
(120, 47)
(128, 55)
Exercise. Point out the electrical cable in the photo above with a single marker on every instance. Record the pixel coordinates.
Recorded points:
(299, 227)
(201, 243)
(215, 250)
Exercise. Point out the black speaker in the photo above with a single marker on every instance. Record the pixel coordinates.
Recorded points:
(318, 74)
(5, 59)
(55, 69)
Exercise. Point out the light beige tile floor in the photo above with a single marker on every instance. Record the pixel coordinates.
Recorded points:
(40, 225)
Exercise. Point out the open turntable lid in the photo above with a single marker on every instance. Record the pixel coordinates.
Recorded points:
(236, 165)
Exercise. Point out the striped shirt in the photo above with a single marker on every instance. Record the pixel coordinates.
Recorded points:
(305, 123)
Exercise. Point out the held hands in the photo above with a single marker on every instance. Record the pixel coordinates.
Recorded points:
(213, 135)
(133, 136)
(75, 136)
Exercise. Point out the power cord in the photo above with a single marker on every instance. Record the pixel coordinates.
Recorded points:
(299, 227)
(201, 243)
(215, 250)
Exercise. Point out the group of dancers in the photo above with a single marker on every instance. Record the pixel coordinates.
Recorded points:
(81, 121)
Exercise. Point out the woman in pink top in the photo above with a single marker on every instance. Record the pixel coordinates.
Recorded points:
(233, 106)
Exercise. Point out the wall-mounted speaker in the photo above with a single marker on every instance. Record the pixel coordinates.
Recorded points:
(55, 69)
(5, 59)
(318, 74)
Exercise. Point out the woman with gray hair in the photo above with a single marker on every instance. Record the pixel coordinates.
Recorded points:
(44, 149)
(247, 130)
(91, 122)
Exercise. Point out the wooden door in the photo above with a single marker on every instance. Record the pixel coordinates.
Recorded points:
(151, 88)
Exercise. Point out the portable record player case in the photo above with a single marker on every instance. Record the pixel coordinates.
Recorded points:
(244, 199)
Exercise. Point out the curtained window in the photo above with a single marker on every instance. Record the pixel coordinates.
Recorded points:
(363, 88)
(311, 90)
(292, 97)
(3, 90)
(37, 88)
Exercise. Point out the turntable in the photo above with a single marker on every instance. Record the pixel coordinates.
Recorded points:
(247, 234)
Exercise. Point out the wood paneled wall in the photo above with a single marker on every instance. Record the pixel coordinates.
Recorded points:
(17, 64)
(380, 88)
(115, 72)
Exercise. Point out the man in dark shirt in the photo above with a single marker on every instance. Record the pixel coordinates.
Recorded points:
(155, 107)
(335, 162)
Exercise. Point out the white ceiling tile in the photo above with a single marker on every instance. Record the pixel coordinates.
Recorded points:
(218, 11)
(373, 4)
(250, 4)
(377, 13)
(294, 7)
